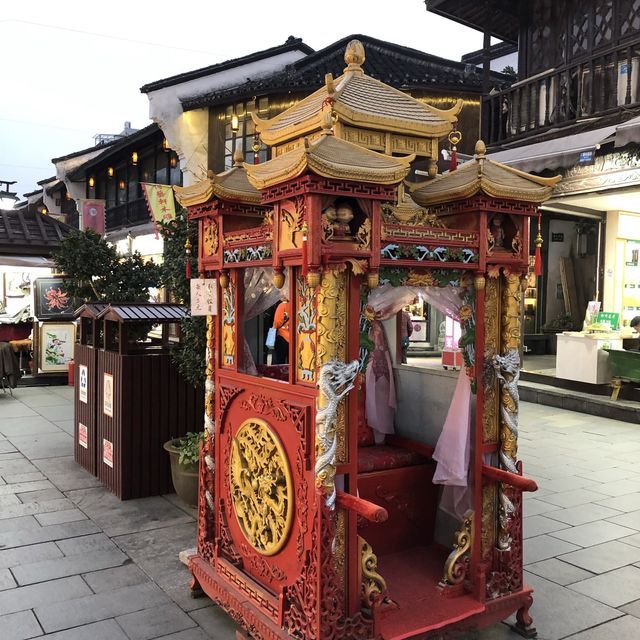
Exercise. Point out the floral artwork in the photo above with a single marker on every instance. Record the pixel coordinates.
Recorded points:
(51, 299)
(55, 346)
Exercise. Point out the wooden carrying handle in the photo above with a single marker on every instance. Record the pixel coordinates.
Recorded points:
(364, 508)
(513, 479)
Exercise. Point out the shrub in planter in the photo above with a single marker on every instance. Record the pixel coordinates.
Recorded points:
(184, 454)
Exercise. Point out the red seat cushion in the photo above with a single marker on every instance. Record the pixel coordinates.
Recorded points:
(382, 457)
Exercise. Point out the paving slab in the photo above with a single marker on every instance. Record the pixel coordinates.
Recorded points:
(537, 525)
(41, 495)
(68, 566)
(592, 533)
(60, 517)
(559, 612)
(12, 478)
(45, 593)
(31, 553)
(13, 409)
(154, 622)
(544, 546)
(603, 557)
(573, 498)
(65, 474)
(56, 412)
(104, 630)
(46, 445)
(6, 580)
(96, 607)
(192, 634)
(116, 517)
(19, 626)
(614, 588)
(27, 426)
(23, 537)
(624, 628)
(558, 571)
(215, 622)
(629, 502)
(630, 519)
(127, 575)
(582, 514)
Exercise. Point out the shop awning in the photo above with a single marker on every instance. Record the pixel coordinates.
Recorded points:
(568, 151)
(554, 154)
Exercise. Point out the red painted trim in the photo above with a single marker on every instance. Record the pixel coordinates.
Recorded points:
(512, 479)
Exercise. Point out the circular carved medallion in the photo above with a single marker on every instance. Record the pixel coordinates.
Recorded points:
(261, 487)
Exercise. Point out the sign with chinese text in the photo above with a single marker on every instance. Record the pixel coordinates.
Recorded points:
(204, 297)
(83, 435)
(93, 215)
(83, 385)
(107, 452)
(160, 202)
(107, 395)
(612, 319)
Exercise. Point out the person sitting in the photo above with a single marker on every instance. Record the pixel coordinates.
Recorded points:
(633, 344)
(281, 324)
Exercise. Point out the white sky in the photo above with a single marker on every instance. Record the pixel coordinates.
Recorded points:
(73, 68)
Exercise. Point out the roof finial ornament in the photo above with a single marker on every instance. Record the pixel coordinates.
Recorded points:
(481, 149)
(354, 56)
(327, 123)
(238, 158)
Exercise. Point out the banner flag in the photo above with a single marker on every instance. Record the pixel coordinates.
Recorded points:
(160, 202)
(92, 215)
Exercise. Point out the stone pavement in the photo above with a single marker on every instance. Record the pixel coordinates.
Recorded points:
(78, 564)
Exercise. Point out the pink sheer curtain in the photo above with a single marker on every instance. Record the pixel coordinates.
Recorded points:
(452, 451)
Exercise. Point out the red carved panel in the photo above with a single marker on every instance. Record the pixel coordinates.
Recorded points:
(288, 416)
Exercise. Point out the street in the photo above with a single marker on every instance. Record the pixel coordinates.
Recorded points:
(76, 563)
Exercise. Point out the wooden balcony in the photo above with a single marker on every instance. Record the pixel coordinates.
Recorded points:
(128, 214)
(595, 87)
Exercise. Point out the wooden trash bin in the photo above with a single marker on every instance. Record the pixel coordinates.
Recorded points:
(85, 396)
(142, 400)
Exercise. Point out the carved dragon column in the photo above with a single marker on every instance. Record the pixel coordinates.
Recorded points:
(206, 481)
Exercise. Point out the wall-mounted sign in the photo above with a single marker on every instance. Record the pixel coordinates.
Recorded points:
(107, 395)
(83, 435)
(204, 297)
(83, 384)
(557, 237)
(107, 452)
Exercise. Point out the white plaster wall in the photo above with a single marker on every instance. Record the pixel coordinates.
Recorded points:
(76, 190)
(609, 282)
(187, 132)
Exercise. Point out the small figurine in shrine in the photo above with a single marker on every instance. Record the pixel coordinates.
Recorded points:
(497, 233)
(344, 214)
(329, 217)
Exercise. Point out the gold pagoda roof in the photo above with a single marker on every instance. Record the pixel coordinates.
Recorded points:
(482, 175)
(362, 101)
(231, 184)
(330, 157)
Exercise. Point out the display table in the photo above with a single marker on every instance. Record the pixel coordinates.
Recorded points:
(580, 356)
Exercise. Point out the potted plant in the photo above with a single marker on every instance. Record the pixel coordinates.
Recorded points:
(184, 454)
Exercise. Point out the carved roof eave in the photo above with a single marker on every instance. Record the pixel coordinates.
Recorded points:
(365, 119)
(216, 187)
(302, 159)
(471, 179)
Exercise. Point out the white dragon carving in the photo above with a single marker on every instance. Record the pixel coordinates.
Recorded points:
(335, 382)
(507, 369)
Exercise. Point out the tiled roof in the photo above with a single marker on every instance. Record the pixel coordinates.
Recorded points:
(498, 17)
(330, 157)
(144, 312)
(399, 66)
(482, 175)
(292, 44)
(30, 233)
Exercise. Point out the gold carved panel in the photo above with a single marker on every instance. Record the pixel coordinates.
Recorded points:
(490, 420)
(261, 487)
(306, 332)
(209, 237)
(229, 325)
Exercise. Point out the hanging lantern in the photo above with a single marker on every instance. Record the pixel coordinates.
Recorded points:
(134, 158)
(539, 242)
(187, 250)
(92, 182)
(235, 123)
(455, 138)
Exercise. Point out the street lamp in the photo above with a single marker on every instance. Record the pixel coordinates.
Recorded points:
(7, 198)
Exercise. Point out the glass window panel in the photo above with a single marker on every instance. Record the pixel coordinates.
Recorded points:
(227, 162)
(229, 111)
(175, 175)
(228, 146)
(240, 109)
(249, 157)
(227, 130)
(249, 127)
(263, 104)
(161, 176)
